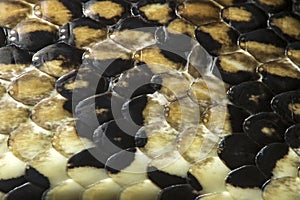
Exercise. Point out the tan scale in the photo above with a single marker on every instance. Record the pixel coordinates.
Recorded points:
(76, 84)
(219, 32)
(286, 188)
(197, 143)
(282, 68)
(174, 86)
(67, 190)
(217, 196)
(182, 113)
(134, 173)
(288, 25)
(154, 110)
(107, 50)
(105, 189)
(34, 24)
(172, 163)
(10, 71)
(225, 2)
(180, 26)
(287, 166)
(12, 116)
(11, 166)
(32, 1)
(134, 39)
(27, 141)
(294, 55)
(31, 87)
(13, 12)
(272, 2)
(160, 139)
(2, 90)
(263, 52)
(52, 165)
(216, 119)
(86, 36)
(105, 9)
(87, 176)
(160, 13)
(3, 144)
(210, 173)
(156, 61)
(66, 140)
(49, 113)
(244, 193)
(295, 109)
(2, 195)
(237, 14)
(145, 190)
(53, 11)
(237, 62)
(55, 68)
(199, 12)
(207, 91)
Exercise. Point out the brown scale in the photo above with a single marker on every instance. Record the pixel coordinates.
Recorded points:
(199, 12)
(50, 113)
(236, 68)
(58, 12)
(280, 75)
(263, 44)
(31, 87)
(11, 116)
(287, 25)
(293, 53)
(27, 141)
(13, 12)
(217, 38)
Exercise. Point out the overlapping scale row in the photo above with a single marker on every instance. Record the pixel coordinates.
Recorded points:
(152, 100)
